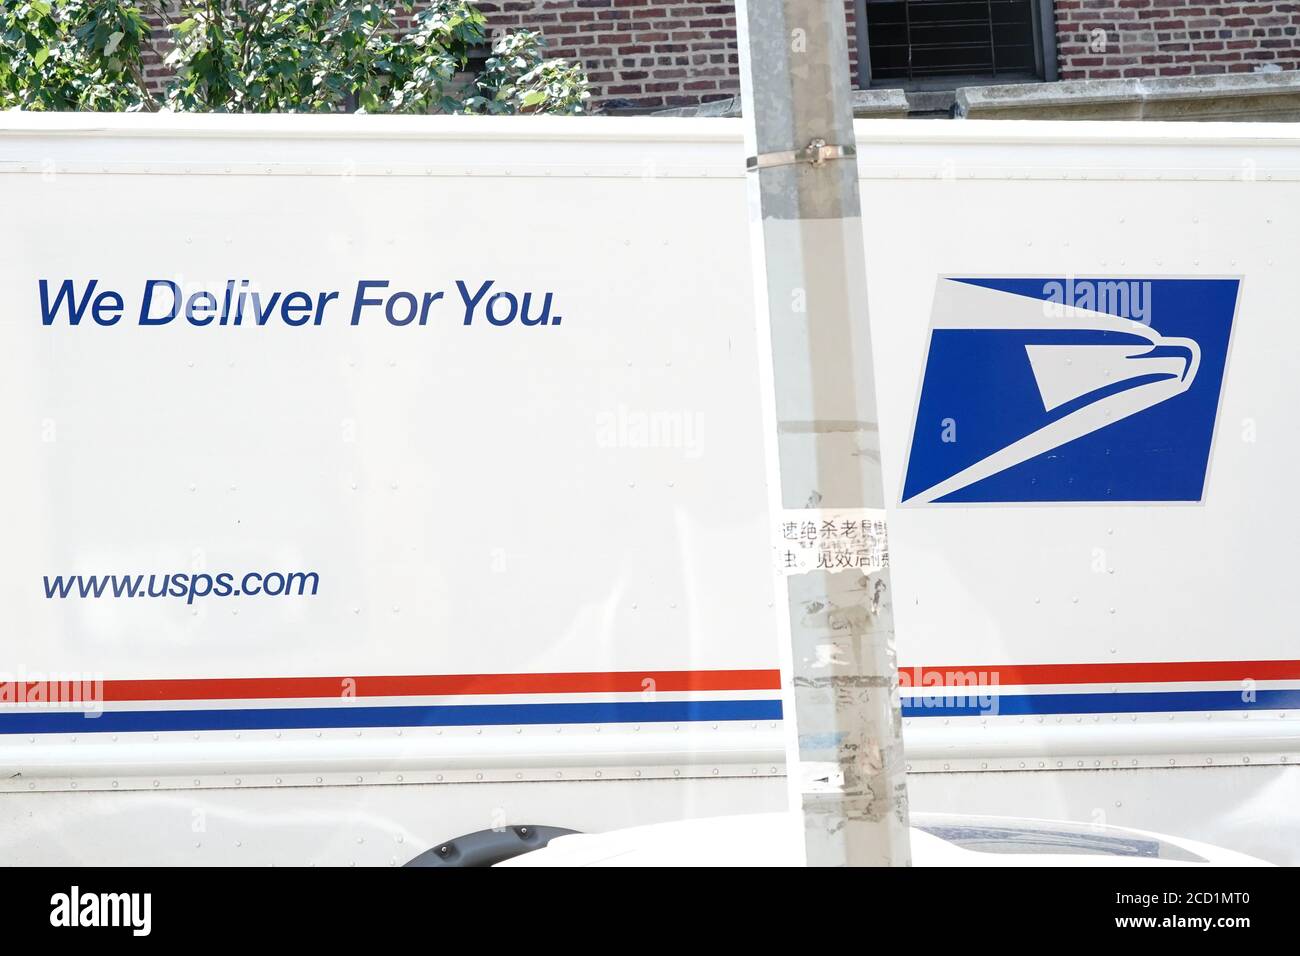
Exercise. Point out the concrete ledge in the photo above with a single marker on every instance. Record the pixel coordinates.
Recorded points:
(867, 104)
(879, 104)
(1239, 97)
(726, 107)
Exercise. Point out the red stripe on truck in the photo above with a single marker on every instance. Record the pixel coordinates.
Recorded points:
(630, 682)
(438, 685)
(1156, 672)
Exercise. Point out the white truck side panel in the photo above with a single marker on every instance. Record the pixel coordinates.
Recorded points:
(580, 497)
(543, 552)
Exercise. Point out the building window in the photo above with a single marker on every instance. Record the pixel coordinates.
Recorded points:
(935, 43)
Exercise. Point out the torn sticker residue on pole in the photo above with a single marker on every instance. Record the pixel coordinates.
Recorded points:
(822, 539)
(820, 776)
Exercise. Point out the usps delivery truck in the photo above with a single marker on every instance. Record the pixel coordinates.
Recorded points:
(374, 481)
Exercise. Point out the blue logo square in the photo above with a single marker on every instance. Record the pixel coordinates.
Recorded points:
(1070, 390)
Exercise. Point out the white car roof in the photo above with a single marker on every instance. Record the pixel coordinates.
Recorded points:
(772, 839)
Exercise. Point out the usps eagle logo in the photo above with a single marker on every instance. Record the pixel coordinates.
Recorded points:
(1070, 390)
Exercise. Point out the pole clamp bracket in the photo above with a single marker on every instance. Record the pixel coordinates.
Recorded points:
(816, 153)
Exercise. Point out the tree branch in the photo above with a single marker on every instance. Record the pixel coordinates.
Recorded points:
(150, 103)
(249, 31)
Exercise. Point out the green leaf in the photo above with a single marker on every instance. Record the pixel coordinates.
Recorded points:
(41, 56)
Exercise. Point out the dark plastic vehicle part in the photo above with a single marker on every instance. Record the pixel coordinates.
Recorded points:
(489, 847)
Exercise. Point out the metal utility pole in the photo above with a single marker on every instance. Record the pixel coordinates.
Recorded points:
(845, 760)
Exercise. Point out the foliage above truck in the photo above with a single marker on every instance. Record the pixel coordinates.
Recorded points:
(319, 56)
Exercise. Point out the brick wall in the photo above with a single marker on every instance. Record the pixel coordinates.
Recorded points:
(641, 54)
(1100, 39)
(156, 73)
(654, 54)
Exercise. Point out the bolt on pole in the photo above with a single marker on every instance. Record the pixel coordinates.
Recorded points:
(844, 754)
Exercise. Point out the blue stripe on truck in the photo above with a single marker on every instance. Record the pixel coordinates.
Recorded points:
(968, 704)
(449, 715)
(976, 702)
